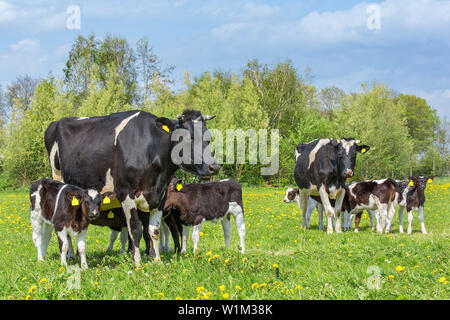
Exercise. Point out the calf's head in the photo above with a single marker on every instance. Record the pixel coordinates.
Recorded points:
(346, 149)
(173, 190)
(191, 138)
(420, 182)
(291, 194)
(89, 201)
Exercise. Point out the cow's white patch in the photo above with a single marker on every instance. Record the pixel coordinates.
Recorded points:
(56, 174)
(57, 198)
(347, 145)
(82, 118)
(312, 154)
(109, 182)
(141, 203)
(297, 154)
(92, 193)
(122, 125)
(224, 180)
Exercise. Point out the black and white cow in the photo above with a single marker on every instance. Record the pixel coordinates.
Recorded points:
(134, 154)
(321, 168)
(372, 195)
(68, 209)
(411, 196)
(193, 204)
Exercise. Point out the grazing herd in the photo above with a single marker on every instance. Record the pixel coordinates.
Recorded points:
(119, 171)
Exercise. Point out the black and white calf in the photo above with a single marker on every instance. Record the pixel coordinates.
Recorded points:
(196, 203)
(372, 195)
(68, 209)
(411, 195)
(321, 168)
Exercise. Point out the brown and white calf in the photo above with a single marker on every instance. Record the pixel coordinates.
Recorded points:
(68, 209)
(197, 203)
(372, 195)
(411, 195)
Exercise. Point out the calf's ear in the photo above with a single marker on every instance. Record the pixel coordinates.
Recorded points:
(430, 179)
(165, 124)
(74, 198)
(107, 197)
(362, 148)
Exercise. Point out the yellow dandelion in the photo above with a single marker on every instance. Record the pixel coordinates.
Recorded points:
(225, 295)
(222, 288)
(255, 285)
(200, 289)
(441, 280)
(238, 288)
(42, 280)
(399, 268)
(275, 265)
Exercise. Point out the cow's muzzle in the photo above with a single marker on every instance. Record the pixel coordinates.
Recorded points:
(213, 168)
(348, 173)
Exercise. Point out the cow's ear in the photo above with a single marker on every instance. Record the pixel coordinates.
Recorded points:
(430, 179)
(412, 181)
(178, 185)
(74, 198)
(297, 191)
(362, 148)
(165, 124)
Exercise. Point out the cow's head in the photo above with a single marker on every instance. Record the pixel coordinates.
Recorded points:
(89, 201)
(191, 126)
(346, 151)
(420, 182)
(291, 194)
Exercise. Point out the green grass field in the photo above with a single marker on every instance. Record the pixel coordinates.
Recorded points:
(282, 260)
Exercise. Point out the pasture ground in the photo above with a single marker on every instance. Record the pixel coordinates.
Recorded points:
(282, 260)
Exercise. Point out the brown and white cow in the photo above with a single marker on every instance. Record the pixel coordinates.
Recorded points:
(372, 195)
(196, 203)
(68, 209)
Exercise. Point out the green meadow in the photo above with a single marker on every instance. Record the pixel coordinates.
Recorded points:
(282, 260)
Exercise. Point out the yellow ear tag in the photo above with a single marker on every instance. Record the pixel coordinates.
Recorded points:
(75, 202)
(165, 128)
(106, 200)
(411, 183)
(110, 215)
(179, 187)
(363, 150)
(429, 181)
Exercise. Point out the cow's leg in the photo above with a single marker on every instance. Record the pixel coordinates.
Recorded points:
(226, 227)
(185, 237)
(400, 218)
(123, 239)
(303, 204)
(311, 206)
(147, 238)
(154, 230)
(70, 252)
(196, 234)
(410, 220)
(320, 213)
(391, 214)
(45, 238)
(112, 239)
(372, 214)
(64, 247)
(238, 215)
(422, 222)
(338, 207)
(164, 242)
(134, 227)
(36, 224)
(328, 209)
(383, 210)
(81, 248)
(345, 218)
(357, 221)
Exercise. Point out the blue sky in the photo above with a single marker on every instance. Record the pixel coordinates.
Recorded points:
(410, 52)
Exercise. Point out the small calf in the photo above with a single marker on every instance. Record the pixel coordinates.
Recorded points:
(293, 194)
(411, 195)
(68, 209)
(197, 203)
(372, 195)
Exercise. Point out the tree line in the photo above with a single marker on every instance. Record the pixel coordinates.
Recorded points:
(102, 76)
